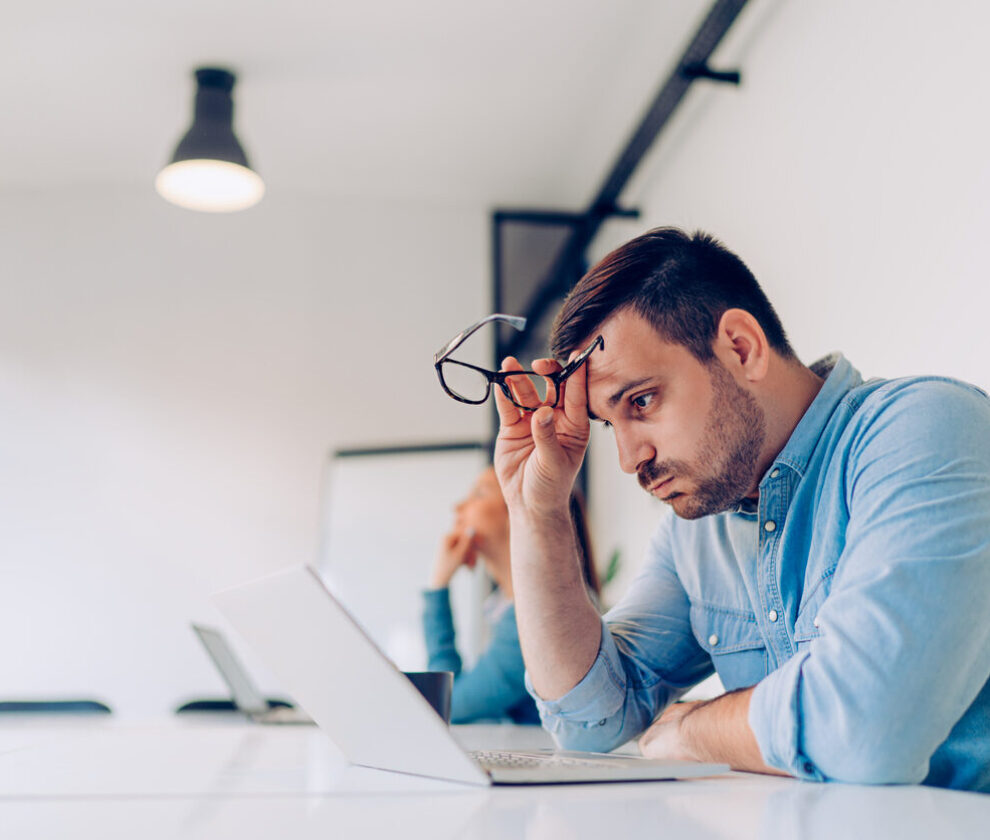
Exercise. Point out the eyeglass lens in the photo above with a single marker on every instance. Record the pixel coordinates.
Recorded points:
(469, 384)
(530, 391)
(527, 390)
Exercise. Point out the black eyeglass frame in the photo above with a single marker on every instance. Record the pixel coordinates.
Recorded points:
(499, 377)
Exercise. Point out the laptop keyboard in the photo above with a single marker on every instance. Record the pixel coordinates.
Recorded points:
(499, 759)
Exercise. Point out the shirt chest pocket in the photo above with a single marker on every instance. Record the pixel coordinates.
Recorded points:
(732, 639)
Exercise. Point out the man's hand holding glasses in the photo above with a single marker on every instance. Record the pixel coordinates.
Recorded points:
(543, 415)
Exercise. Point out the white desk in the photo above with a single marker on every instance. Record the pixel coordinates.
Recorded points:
(211, 778)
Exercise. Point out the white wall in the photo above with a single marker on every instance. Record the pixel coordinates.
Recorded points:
(170, 383)
(851, 172)
(170, 386)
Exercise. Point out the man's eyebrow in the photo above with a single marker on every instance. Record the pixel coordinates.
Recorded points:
(614, 399)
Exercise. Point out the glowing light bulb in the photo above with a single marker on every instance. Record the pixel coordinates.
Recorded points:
(213, 186)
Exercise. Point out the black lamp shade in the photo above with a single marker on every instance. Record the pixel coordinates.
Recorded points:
(209, 170)
(211, 136)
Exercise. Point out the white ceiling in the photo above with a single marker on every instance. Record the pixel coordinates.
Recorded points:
(511, 102)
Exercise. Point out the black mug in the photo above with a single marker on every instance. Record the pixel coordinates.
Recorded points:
(436, 687)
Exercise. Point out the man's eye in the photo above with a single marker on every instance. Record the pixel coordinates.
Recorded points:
(642, 401)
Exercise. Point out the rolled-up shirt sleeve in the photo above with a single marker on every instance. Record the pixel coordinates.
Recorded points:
(647, 658)
(904, 648)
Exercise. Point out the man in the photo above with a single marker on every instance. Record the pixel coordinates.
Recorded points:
(829, 557)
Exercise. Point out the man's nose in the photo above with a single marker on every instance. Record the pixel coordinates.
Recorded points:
(633, 451)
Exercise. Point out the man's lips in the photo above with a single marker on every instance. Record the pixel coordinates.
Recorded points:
(654, 490)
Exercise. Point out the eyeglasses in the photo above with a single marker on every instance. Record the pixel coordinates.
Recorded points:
(526, 389)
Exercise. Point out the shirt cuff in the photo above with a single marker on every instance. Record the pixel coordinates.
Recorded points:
(599, 695)
(775, 718)
(437, 597)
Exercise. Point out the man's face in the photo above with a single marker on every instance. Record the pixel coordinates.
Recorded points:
(689, 431)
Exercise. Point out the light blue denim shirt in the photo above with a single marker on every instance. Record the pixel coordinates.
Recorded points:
(855, 596)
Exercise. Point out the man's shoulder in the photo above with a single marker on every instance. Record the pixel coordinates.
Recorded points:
(928, 410)
(930, 394)
(879, 390)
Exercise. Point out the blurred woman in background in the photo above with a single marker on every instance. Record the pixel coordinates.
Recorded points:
(494, 687)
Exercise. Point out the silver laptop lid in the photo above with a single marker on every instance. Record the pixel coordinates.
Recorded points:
(336, 673)
(246, 697)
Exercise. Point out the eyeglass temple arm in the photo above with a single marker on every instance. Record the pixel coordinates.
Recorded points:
(516, 321)
(570, 367)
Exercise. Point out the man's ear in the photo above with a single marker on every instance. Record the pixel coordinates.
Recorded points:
(741, 345)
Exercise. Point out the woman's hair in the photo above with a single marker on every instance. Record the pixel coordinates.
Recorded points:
(587, 554)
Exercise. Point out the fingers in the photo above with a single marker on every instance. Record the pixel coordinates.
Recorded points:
(523, 390)
(650, 743)
(548, 448)
(462, 543)
(508, 414)
(665, 737)
(545, 367)
(574, 395)
(467, 550)
(456, 549)
(573, 390)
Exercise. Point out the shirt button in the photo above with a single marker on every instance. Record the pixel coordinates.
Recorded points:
(775, 473)
(713, 640)
(769, 526)
(815, 622)
(772, 615)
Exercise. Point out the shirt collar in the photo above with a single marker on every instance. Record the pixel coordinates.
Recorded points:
(840, 378)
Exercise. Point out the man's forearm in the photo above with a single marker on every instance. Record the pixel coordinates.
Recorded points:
(559, 628)
(718, 731)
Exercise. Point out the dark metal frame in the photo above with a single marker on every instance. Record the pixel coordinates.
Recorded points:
(569, 265)
(570, 262)
(693, 66)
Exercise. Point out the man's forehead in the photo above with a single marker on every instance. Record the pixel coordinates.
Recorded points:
(609, 379)
(633, 354)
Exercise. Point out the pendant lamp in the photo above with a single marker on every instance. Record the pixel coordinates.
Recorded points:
(209, 170)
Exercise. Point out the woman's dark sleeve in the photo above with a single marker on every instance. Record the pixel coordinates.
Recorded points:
(495, 684)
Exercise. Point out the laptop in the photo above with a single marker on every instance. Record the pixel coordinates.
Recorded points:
(245, 695)
(374, 714)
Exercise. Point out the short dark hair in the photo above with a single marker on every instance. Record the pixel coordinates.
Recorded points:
(681, 283)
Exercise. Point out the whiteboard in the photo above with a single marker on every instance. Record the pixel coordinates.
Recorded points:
(383, 516)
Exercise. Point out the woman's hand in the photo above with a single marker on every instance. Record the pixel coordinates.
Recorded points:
(457, 549)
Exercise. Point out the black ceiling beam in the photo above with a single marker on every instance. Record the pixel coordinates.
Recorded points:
(552, 217)
(692, 66)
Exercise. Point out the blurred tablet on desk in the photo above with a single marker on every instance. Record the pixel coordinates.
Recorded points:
(244, 693)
